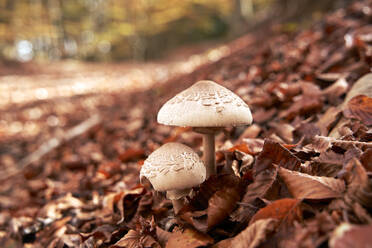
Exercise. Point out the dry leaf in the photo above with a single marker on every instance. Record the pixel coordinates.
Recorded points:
(188, 238)
(134, 240)
(241, 147)
(286, 210)
(131, 154)
(215, 200)
(304, 186)
(285, 131)
(359, 185)
(328, 120)
(258, 188)
(347, 235)
(251, 237)
(221, 204)
(274, 153)
(360, 107)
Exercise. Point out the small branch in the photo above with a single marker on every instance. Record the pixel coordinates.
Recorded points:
(52, 144)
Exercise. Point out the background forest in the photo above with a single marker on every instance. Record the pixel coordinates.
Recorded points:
(115, 30)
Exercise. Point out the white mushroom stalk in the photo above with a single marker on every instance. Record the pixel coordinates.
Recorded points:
(208, 107)
(176, 169)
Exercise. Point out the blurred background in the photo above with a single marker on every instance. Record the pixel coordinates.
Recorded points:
(61, 59)
(139, 30)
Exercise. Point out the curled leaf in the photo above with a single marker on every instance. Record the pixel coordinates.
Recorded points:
(188, 238)
(304, 186)
(133, 239)
(251, 237)
(286, 210)
(347, 235)
(359, 107)
(359, 185)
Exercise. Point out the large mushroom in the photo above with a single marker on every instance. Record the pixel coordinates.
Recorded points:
(207, 107)
(176, 169)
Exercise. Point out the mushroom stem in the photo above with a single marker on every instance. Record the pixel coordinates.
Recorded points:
(209, 156)
(177, 205)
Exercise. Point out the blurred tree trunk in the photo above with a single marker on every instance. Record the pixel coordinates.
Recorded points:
(237, 21)
(56, 15)
(295, 10)
(137, 40)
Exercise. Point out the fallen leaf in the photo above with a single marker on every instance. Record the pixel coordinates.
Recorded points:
(250, 132)
(258, 188)
(359, 186)
(274, 153)
(131, 154)
(221, 204)
(133, 239)
(241, 147)
(162, 236)
(286, 210)
(304, 186)
(347, 235)
(188, 238)
(359, 107)
(327, 121)
(219, 196)
(335, 90)
(285, 131)
(250, 237)
(103, 233)
(366, 159)
(361, 87)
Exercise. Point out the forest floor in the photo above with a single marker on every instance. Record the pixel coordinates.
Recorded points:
(70, 155)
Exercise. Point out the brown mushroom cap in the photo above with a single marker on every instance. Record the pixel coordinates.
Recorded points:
(173, 166)
(205, 104)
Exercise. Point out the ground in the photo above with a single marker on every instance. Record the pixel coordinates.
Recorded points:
(301, 174)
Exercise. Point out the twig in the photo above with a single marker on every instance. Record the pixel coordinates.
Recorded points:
(51, 144)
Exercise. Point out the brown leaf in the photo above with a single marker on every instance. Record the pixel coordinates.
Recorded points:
(336, 89)
(274, 153)
(221, 204)
(366, 159)
(188, 238)
(162, 236)
(304, 186)
(258, 188)
(285, 131)
(131, 154)
(133, 239)
(102, 232)
(241, 147)
(328, 120)
(309, 102)
(286, 210)
(359, 107)
(359, 185)
(254, 145)
(347, 235)
(322, 144)
(217, 197)
(250, 132)
(251, 237)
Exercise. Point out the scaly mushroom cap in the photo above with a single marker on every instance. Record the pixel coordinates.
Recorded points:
(173, 167)
(205, 104)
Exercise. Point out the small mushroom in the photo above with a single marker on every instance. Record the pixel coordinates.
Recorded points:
(176, 169)
(208, 107)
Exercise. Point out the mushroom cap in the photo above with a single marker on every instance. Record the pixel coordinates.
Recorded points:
(173, 166)
(205, 104)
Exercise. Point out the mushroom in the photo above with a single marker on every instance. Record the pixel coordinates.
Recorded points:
(207, 107)
(174, 168)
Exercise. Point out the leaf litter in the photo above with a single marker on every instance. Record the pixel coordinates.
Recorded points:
(299, 177)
